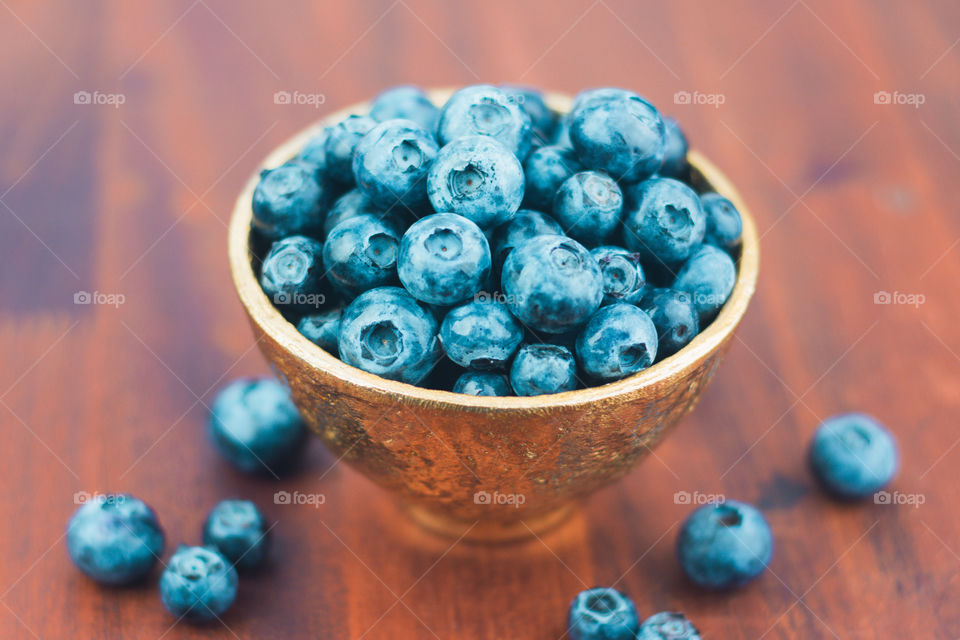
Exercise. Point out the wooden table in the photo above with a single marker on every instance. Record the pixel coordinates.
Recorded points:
(855, 196)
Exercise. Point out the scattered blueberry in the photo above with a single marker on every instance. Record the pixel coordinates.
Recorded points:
(322, 329)
(588, 206)
(361, 253)
(483, 383)
(668, 625)
(406, 102)
(619, 340)
(292, 275)
(390, 164)
(853, 455)
(341, 143)
(675, 151)
(602, 613)
(481, 335)
(545, 169)
(256, 426)
(621, 136)
(666, 222)
(674, 316)
(289, 200)
(724, 545)
(198, 585)
(542, 118)
(484, 110)
(623, 277)
(543, 368)
(724, 225)
(238, 530)
(115, 539)
(708, 276)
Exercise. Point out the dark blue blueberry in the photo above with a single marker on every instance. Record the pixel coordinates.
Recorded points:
(115, 539)
(666, 221)
(289, 200)
(675, 151)
(588, 206)
(853, 455)
(198, 585)
(542, 118)
(314, 152)
(406, 102)
(543, 368)
(552, 283)
(484, 110)
(256, 426)
(724, 545)
(668, 625)
(724, 225)
(481, 335)
(292, 275)
(526, 224)
(623, 277)
(602, 613)
(238, 530)
(544, 171)
(478, 178)
(444, 259)
(592, 97)
(353, 203)
(322, 329)
(619, 340)
(361, 253)
(674, 316)
(390, 164)
(341, 143)
(708, 276)
(621, 136)
(483, 383)
(386, 332)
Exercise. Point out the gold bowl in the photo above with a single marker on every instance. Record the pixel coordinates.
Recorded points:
(486, 468)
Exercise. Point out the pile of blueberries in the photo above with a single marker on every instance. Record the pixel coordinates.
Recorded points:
(494, 244)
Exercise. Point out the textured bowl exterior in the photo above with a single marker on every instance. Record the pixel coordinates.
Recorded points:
(495, 468)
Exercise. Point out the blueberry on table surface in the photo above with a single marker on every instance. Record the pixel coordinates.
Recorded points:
(602, 613)
(674, 316)
(618, 340)
(484, 110)
(667, 625)
(115, 539)
(588, 206)
(314, 152)
(853, 455)
(623, 277)
(708, 276)
(390, 164)
(444, 259)
(665, 221)
(483, 383)
(526, 224)
(625, 137)
(256, 426)
(480, 335)
(724, 224)
(386, 332)
(289, 200)
(552, 283)
(361, 253)
(478, 178)
(238, 530)
(545, 169)
(724, 545)
(292, 275)
(675, 151)
(540, 369)
(542, 118)
(408, 102)
(322, 329)
(341, 143)
(198, 585)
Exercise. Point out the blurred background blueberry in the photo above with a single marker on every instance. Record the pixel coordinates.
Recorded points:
(406, 101)
(238, 530)
(198, 584)
(853, 455)
(602, 613)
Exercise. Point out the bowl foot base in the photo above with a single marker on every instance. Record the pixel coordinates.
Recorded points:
(488, 531)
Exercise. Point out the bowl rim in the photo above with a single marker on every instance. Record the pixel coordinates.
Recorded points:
(266, 317)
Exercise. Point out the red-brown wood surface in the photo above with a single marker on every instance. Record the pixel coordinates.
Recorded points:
(853, 197)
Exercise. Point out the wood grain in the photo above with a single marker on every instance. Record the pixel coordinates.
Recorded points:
(852, 198)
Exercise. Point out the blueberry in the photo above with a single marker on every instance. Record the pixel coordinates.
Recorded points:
(668, 625)
(666, 221)
(853, 455)
(483, 383)
(592, 97)
(724, 545)
(484, 110)
(674, 316)
(708, 276)
(675, 151)
(115, 539)
(361, 253)
(602, 613)
(444, 259)
(198, 585)
(542, 118)
(621, 136)
(552, 283)
(526, 224)
(543, 368)
(238, 530)
(406, 102)
(292, 275)
(314, 152)
(322, 329)
(480, 335)
(386, 332)
(724, 225)
(256, 426)
(288, 200)
(341, 143)
(619, 340)
(390, 164)
(623, 277)
(588, 205)
(545, 169)
(478, 178)
(352, 203)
